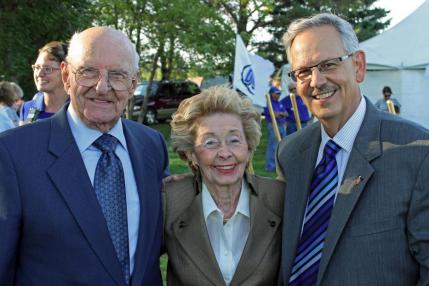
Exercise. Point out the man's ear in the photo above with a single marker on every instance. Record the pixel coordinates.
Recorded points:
(65, 76)
(134, 82)
(360, 65)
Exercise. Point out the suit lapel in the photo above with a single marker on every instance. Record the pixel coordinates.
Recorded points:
(263, 226)
(69, 175)
(298, 177)
(366, 148)
(149, 190)
(190, 231)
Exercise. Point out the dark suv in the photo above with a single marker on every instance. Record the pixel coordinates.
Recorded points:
(164, 99)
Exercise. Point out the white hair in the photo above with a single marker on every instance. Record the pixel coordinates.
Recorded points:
(344, 28)
(75, 45)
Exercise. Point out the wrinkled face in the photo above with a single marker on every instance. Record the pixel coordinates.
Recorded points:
(332, 96)
(221, 149)
(47, 82)
(100, 105)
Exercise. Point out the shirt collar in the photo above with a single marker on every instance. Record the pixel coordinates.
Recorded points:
(85, 136)
(209, 205)
(346, 136)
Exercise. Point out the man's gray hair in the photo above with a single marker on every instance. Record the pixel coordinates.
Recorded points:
(348, 35)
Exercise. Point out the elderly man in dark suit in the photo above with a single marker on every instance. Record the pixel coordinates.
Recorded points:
(81, 205)
(357, 201)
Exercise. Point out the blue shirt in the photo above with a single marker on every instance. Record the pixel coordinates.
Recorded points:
(382, 105)
(8, 118)
(37, 103)
(84, 137)
(277, 107)
(304, 116)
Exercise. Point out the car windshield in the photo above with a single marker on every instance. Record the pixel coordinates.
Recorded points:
(142, 88)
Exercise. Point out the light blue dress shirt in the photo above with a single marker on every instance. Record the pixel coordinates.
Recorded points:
(8, 118)
(84, 137)
(227, 240)
(345, 138)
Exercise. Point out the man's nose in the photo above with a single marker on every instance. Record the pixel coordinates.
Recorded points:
(103, 85)
(317, 78)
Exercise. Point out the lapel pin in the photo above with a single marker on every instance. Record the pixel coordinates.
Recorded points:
(182, 224)
(358, 180)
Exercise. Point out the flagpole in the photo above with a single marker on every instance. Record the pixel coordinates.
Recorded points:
(273, 118)
(295, 111)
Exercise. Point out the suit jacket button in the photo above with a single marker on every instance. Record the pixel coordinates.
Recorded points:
(181, 224)
(272, 223)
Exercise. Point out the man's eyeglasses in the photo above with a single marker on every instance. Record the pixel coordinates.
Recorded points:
(88, 77)
(43, 69)
(304, 74)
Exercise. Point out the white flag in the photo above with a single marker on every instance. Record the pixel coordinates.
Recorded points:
(251, 73)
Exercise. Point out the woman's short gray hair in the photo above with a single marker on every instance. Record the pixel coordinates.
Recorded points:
(344, 28)
(216, 99)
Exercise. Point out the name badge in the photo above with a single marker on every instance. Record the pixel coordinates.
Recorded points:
(32, 115)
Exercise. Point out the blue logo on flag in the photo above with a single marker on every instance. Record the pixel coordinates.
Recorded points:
(248, 78)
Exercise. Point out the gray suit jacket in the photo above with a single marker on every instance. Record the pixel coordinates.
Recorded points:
(191, 260)
(379, 229)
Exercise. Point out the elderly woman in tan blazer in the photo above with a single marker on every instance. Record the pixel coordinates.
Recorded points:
(222, 226)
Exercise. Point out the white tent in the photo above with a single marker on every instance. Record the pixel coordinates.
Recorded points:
(399, 58)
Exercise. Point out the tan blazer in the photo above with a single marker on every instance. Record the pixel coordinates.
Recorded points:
(191, 260)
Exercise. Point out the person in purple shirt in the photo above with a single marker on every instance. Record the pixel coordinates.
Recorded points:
(280, 114)
(304, 115)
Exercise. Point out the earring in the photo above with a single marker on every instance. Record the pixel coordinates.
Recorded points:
(195, 164)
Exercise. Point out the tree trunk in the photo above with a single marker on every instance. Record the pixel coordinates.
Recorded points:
(143, 111)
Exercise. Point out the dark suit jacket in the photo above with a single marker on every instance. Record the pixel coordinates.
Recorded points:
(52, 229)
(379, 230)
(191, 260)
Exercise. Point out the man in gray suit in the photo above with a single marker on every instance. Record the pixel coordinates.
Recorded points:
(357, 211)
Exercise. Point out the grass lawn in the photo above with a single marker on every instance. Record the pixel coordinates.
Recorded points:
(177, 166)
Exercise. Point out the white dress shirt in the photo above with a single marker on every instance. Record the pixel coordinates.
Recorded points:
(345, 138)
(84, 137)
(227, 240)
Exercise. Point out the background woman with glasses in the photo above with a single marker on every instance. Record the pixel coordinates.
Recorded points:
(47, 77)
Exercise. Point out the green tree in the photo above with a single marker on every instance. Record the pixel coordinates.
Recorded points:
(246, 16)
(366, 20)
(27, 25)
(175, 39)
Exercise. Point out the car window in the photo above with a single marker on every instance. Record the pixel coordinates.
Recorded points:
(166, 90)
(192, 88)
(188, 88)
(142, 88)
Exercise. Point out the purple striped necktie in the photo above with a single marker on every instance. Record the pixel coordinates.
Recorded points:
(316, 220)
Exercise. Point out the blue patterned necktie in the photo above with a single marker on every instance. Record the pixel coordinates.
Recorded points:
(109, 185)
(316, 220)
